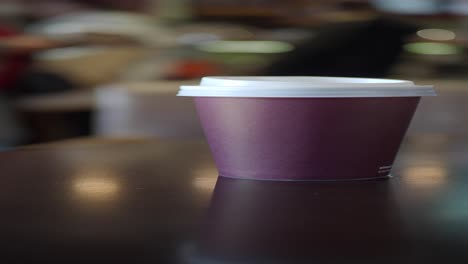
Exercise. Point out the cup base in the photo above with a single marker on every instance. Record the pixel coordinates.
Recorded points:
(309, 180)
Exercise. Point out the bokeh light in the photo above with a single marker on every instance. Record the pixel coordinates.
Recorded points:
(425, 176)
(436, 34)
(432, 48)
(245, 46)
(96, 185)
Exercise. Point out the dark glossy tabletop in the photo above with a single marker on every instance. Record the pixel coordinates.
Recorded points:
(150, 201)
(142, 201)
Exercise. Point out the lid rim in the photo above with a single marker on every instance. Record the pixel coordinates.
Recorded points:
(248, 80)
(304, 87)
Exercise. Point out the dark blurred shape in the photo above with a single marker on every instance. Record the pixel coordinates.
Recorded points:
(38, 82)
(47, 124)
(136, 5)
(50, 126)
(359, 49)
(317, 221)
(12, 64)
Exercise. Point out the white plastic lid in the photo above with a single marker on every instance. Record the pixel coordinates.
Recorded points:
(303, 87)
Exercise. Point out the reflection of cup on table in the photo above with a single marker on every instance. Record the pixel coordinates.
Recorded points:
(260, 220)
(305, 128)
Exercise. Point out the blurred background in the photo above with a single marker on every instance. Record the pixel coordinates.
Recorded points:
(111, 68)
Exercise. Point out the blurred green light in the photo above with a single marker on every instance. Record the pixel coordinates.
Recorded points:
(432, 48)
(245, 46)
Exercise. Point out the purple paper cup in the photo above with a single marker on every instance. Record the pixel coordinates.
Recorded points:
(305, 128)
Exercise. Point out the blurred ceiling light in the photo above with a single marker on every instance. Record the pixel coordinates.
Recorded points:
(245, 46)
(459, 7)
(69, 53)
(436, 34)
(425, 7)
(431, 48)
(194, 38)
(65, 28)
(136, 26)
(96, 186)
